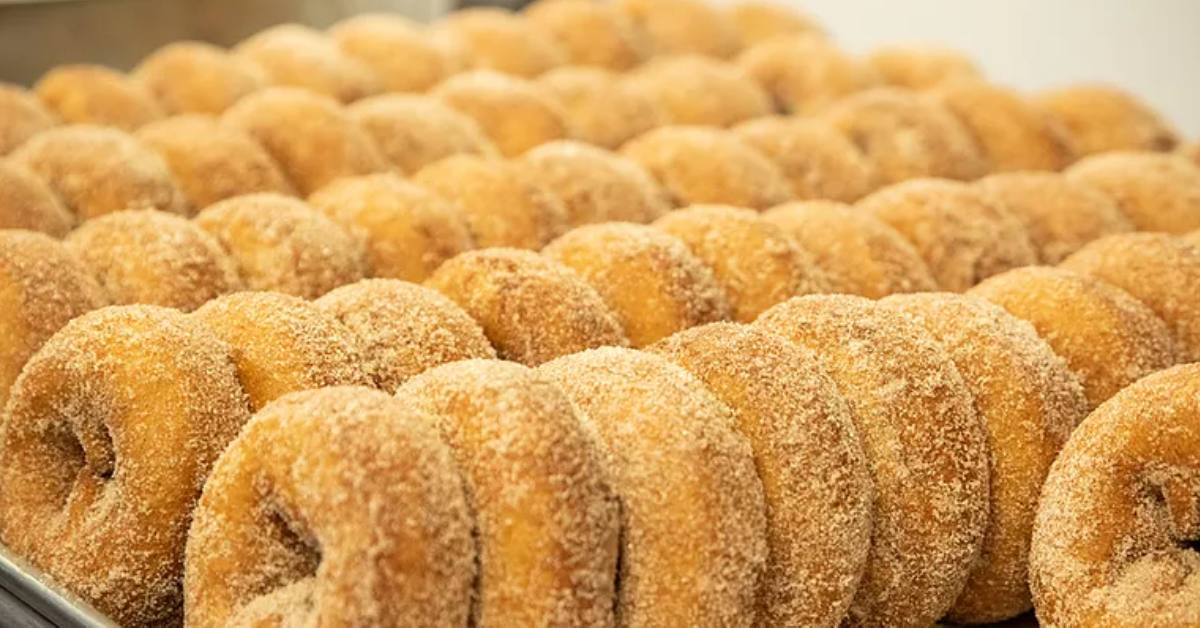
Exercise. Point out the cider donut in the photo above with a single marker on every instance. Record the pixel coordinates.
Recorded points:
(401, 56)
(682, 26)
(590, 33)
(94, 94)
(925, 445)
(409, 230)
(283, 344)
(698, 90)
(1108, 338)
(495, 39)
(595, 185)
(516, 114)
(921, 66)
(415, 131)
(1102, 118)
(404, 329)
(1156, 191)
(337, 506)
(758, 21)
(859, 254)
(110, 433)
(197, 77)
(26, 202)
(819, 162)
(964, 235)
(684, 477)
(154, 258)
(652, 282)
(804, 74)
(816, 484)
(293, 55)
(1114, 541)
(21, 117)
(1029, 402)
(599, 107)
(546, 519)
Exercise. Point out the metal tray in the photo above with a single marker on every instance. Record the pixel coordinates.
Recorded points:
(29, 600)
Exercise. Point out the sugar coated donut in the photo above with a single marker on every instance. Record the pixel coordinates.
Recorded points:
(1102, 118)
(496, 39)
(600, 108)
(415, 131)
(26, 202)
(516, 114)
(155, 258)
(335, 506)
(99, 170)
(706, 165)
(1029, 402)
(925, 445)
(816, 483)
(859, 254)
(694, 89)
(1115, 538)
(754, 261)
(758, 21)
(684, 478)
(683, 26)
(1108, 338)
(293, 55)
(921, 66)
(964, 235)
(531, 308)
(1061, 215)
(94, 94)
(404, 329)
(1156, 191)
(281, 243)
(110, 433)
(402, 57)
(197, 77)
(591, 33)
(819, 162)
(652, 282)
(546, 519)
(595, 185)
(502, 203)
(409, 230)
(22, 116)
(804, 73)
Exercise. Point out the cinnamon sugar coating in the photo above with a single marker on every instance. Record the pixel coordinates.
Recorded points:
(26, 202)
(1101, 118)
(415, 131)
(804, 73)
(1156, 191)
(401, 55)
(516, 114)
(22, 116)
(699, 90)
(819, 162)
(591, 33)
(293, 55)
(94, 94)
(495, 39)
(197, 77)
(595, 185)
(600, 107)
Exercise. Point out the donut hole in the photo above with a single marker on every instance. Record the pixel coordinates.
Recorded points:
(68, 453)
(297, 553)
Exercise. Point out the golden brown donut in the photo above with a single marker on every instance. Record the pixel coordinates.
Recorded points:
(94, 94)
(197, 77)
(402, 57)
(21, 117)
(964, 235)
(26, 202)
(652, 282)
(99, 170)
(1060, 214)
(859, 254)
(308, 517)
(683, 26)
(404, 329)
(1114, 542)
(532, 309)
(293, 55)
(757, 21)
(1108, 338)
(309, 135)
(496, 39)
(1101, 118)
(546, 519)
(699, 90)
(595, 185)
(1156, 191)
(921, 66)
(415, 131)
(591, 33)
(816, 482)
(805, 73)
(706, 165)
(516, 114)
(1029, 402)
(599, 107)
(154, 258)
(925, 445)
(819, 162)
(110, 433)
(685, 479)
(281, 243)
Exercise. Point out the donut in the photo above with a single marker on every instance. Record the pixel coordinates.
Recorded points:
(212, 162)
(497, 39)
(921, 66)
(964, 235)
(154, 258)
(110, 433)
(404, 329)
(514, 113)
(805, 73)
(415, 131)
(682, 26)
(758, 21)
(684, 477)
(282, 244)
(21, 117)
(26, 202)
(924, 443)
(590, 34)
(652, 282)
(546, 519)
(595, 185)
(908, 136)
(99, 170)
(292, 55)
(283, 344)
(1011, 132)
(43, 287)
(705, 165)
(859, 254)
(816, 482)
(1108, 338)
(502, 203)
(1029, 401)
(94, 94)
(599, 107)
(1101, 118)
(819, 162)
(1114, 541)
(1156, 191)
(754, 262)
(197, 77)
(531, 309)
(1159, 270)
(401, 56)
(699, 90)
(309, 135)
(309, 517)
(1060, 215)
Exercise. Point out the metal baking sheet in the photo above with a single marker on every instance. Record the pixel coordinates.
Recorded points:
(29, 600)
